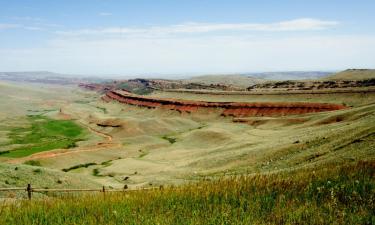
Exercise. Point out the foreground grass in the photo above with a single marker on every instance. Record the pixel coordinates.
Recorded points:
(42, 135)
(335, 194)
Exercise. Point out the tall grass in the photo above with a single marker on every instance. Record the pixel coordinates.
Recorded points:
(335, 194)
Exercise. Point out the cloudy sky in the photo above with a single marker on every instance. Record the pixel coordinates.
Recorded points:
(127, 37)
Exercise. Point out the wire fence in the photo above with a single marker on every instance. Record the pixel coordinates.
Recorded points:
(29, 189)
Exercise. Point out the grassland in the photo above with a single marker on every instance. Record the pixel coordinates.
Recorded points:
(158, 147)
(333, 194)
(313, 168)
(349, 99)
(21, 128)
(42, 134)
(20, 175)
(235, 80)
(353, 74)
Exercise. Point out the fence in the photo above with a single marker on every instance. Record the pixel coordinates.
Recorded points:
(30, 190)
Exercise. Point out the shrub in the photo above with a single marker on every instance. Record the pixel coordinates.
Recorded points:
(33, 163)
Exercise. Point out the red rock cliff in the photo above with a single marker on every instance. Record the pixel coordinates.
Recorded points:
(237, 109)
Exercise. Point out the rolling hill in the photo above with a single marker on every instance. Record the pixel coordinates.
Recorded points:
(291, 75)
(233, 80)
(353, 74)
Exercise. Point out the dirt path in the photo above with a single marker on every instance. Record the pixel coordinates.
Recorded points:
(66, 116)
(61, 152)
(99, 133)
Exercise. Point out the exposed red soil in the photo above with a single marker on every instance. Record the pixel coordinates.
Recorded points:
(237, 109)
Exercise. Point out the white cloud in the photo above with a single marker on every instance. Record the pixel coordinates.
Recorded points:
(6, 26)
(27, 23)
(304, 24)
(194, 55)
(32, 28)
(26, 18)
(105, 14)
(169, 49)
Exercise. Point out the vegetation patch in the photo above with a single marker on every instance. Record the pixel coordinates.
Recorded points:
(106, 163)
(82, 101)
(96, 172)
(33, 163)
(4, 152)
(143, 154)
(43, 134)
(85, 165)
(37, 171)
(104, 110)
(137, 87)
(169, 139)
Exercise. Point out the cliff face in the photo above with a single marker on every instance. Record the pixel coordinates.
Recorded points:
(236, 109)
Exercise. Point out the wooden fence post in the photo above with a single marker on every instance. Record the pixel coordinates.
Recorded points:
(29, 190)
(103, 191)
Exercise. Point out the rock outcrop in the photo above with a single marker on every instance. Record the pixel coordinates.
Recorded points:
(236, 109)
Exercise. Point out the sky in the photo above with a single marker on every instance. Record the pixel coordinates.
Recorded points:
(169, 37)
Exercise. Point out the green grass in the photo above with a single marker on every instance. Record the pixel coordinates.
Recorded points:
(136, 89)
(43, 134)
(332, 194)
(96, 172)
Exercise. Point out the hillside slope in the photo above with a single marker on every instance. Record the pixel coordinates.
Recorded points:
(336, 194)
(353, 74)
(291, 75)
(233, 80)
(21, 175)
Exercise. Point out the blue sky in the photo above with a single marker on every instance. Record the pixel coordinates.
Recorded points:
(127, 37)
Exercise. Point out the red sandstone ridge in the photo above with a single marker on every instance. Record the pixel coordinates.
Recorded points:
(236, 109)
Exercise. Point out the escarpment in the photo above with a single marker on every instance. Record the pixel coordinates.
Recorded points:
(236, 109)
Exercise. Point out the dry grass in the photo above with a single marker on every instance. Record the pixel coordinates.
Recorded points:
(353, 74)
(333, 194)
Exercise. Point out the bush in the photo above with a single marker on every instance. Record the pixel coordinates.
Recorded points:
(79, 166)
(37, 171)
(33, 163)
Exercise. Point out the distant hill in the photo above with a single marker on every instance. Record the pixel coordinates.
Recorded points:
(353, 74)
(46, 77)
(250, 79)
(30, 74)
(233, 80)
(291, 75)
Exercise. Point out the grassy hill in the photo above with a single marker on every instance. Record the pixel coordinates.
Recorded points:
(353, 74)
(19, 175)
(291, 75)
(333, 194)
